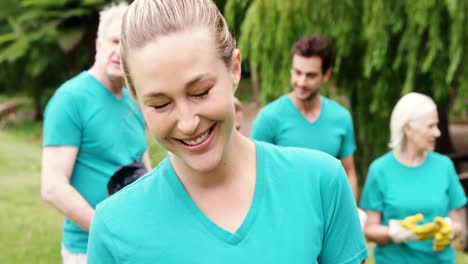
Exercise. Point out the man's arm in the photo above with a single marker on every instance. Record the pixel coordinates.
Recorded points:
(348, 164)
(57, 167)
(146, 160)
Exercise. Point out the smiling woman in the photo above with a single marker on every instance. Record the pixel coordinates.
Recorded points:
(193, 113)
(219, 196)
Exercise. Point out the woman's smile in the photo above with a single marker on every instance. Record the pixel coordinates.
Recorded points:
(199, 142)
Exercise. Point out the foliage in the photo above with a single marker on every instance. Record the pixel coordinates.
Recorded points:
(44, 42)
(383, 50)
(30, 228)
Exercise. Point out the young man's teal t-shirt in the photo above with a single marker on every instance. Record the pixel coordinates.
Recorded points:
(398, 191)
(108, 131)
(281, 123)
(302, 211)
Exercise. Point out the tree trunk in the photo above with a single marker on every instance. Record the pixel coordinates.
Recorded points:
(255, 85)
(37, 98)
(444, 142)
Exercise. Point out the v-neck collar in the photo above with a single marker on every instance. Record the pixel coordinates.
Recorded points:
(298, 112)
(105, 91)
(213, 228)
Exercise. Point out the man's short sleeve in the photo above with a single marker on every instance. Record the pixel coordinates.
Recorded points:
(262, 130)
(349, 144)
(62, 121)
(343, 240)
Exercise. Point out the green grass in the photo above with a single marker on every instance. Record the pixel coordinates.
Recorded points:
(461, 258)
(30, 229)
(157, 153)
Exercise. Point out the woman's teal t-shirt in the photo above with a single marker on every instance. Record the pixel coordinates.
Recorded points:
(302, 211)
(398, 191)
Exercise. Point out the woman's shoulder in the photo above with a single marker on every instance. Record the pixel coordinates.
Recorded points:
(131, 198)
(384, 161)
(439, 160)
(295, 154)
(295, 168)
(435, 156)
(297, 161)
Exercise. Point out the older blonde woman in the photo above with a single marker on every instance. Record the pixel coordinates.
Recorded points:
(412, 195)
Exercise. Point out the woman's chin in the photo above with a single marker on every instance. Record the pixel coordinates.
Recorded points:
(201, 163)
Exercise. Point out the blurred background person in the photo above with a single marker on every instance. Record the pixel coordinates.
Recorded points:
(304, 118)
(412, 195)
(239, 114)
(92, 126)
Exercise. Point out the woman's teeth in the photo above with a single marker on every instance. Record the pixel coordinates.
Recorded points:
(198, 140)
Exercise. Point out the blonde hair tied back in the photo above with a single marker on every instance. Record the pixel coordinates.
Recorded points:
(146, 20)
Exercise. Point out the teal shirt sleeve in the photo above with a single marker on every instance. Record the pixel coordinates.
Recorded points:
(100, 243)
(372, 196)
(349, 144)
(262, 129)
(343, 238)
(456, 194)
(62, 124)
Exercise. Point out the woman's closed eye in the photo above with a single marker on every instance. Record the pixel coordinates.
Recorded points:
(202, 94)
(160, 106)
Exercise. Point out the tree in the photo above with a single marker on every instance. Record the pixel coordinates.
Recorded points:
(384, 49)
(44, 42)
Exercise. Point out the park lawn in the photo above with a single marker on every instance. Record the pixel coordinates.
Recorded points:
(461, 258)
(30, 229)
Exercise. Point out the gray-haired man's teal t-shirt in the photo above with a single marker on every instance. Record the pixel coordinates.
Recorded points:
(108, 131)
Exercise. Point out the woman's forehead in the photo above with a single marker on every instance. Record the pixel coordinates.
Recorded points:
(427, 118)
(175, 59)
(176, 50)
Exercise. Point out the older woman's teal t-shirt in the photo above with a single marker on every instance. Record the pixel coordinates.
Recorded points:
(398, 191)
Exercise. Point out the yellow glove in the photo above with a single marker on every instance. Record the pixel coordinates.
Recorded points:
(445, 234)
(422, 232)
(407, 229)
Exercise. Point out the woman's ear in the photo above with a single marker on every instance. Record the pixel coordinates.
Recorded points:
(236, 68)
(406, 129)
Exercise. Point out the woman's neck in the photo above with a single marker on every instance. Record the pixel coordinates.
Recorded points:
(410, 156)
(237, 162)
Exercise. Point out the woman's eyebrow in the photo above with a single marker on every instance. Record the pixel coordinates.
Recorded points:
(198, 78)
